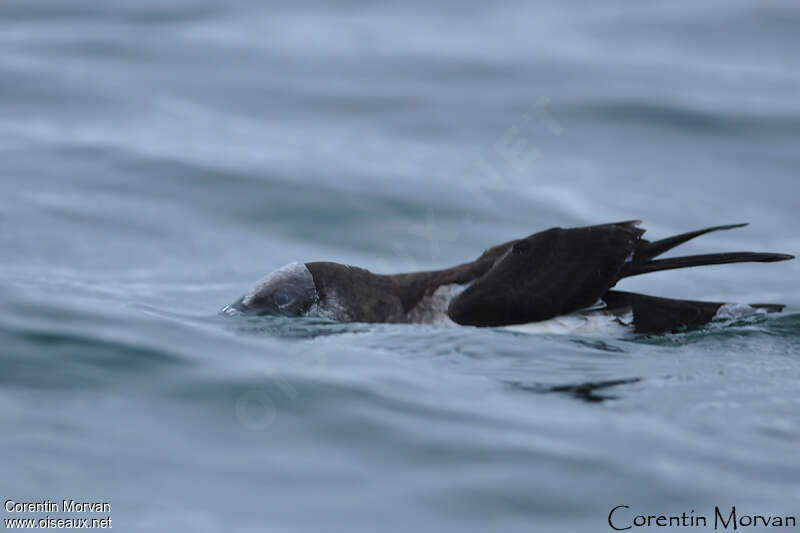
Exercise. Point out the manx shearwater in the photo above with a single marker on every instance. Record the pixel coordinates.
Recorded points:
(547, 275)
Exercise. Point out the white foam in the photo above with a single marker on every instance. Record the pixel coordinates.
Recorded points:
(736, 311)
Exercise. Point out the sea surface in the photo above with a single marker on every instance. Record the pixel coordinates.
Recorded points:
(158, 157)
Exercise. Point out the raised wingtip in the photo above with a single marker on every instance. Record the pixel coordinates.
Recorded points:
(767, 257)
(772, 258)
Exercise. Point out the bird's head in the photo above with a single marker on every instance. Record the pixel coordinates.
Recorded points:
(287, 291)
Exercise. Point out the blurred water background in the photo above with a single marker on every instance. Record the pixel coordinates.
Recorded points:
(160, 156)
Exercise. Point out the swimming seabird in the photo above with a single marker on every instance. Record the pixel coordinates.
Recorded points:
(547, 275)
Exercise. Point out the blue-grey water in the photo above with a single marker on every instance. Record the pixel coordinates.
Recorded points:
(159, 156)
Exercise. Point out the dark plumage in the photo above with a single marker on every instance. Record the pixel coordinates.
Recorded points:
(548, 274)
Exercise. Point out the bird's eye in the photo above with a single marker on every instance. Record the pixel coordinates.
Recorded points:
(281, 299)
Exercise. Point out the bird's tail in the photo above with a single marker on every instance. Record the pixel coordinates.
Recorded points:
(643, 261)
(660, 315)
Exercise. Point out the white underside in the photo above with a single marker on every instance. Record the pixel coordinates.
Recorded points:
(596, 323)
(433, 309)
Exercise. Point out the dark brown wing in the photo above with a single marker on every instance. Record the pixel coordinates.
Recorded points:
(548, 274)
